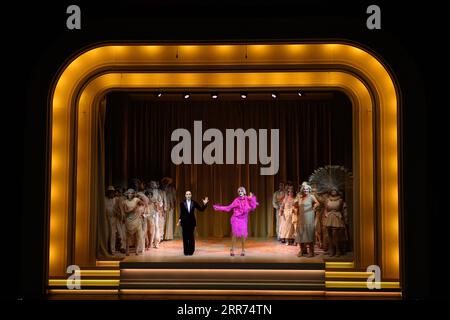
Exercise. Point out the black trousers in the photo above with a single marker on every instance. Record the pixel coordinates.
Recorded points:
(188, 241)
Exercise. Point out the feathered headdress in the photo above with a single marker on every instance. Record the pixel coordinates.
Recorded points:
(330, 177)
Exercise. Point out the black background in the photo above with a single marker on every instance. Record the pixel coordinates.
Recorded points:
(37, 43)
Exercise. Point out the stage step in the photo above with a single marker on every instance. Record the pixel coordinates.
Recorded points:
(238, 276)
(221, 276)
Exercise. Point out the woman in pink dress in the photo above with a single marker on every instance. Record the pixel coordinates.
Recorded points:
(241, 207)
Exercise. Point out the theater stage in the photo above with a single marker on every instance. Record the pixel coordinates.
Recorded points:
(267, 265)
(269, 270)
(258, 250)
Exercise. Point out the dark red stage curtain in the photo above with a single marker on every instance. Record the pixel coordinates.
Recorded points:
(313, 133)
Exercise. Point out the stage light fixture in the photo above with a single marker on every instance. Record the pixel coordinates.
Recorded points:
(243, 95)
(274, 95)
(214, 95)
(299, 93)
(186, 95)
(159, 94)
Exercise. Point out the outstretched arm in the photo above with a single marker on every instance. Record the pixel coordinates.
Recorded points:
(228, 208)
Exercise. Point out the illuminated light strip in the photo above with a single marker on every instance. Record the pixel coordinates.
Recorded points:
(339, 265)
(223, 292)
(286, 283)
(347, 274)
(83, 291)
(240, 271)
(98, 273)
(85, 282)
(227, 292)
(100, 263)
(360, 284)
(324, 55)
(362, 294)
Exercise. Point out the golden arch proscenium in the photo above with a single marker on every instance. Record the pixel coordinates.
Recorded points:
(345, 67)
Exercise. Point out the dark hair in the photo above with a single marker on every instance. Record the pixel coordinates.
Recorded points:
(338, 192)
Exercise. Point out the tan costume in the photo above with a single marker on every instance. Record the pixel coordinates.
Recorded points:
(142, 210)
(169, 208)
(134, 223)
(335, 222)
(277, 201)
(306, 218)
(321, 229)
(287, 213)
(157, 197)
(155, 213)
(113, 213)
(336, 213)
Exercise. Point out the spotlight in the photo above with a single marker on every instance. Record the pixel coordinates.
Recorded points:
(274, 95)
(159, 94)
(186, 95)
(243, 95)
(214, 95)
(299, 93)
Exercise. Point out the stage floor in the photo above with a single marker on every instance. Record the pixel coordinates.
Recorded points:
(218, 250)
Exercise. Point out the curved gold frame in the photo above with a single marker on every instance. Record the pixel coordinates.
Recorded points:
(345, 67)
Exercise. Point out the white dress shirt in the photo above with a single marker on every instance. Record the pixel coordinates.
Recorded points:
(188, 204)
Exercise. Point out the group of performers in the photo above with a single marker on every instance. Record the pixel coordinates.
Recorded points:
(310, 217)
(143, 215)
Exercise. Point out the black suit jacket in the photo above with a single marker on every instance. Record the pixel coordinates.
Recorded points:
(188, 218)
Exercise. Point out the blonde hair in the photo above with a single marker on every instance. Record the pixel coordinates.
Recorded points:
(305, 186)
(243, 189)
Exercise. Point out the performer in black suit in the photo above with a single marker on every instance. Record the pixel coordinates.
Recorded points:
(188, 222)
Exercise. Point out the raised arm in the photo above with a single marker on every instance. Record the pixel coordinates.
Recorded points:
(200, 207)
(253, 202)
(228, 208)
(143, 198)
